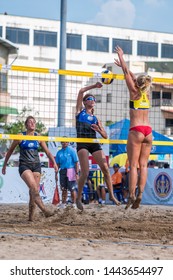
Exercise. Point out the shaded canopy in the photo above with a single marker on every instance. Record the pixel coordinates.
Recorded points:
(121, 159)
(120, 130)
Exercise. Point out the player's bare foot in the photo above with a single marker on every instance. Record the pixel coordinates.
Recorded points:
(130, 201)
(137, 202)
(79, 204)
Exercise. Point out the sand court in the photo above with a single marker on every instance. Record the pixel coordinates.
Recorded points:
(108, 232)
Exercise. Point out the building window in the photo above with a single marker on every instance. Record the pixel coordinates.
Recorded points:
(17, 35)
(126, 45)
(169, 122)
(45, 38)
(147, 49)
(0, 31)
(74, 41)
(166, 51)
(109, 98)
(3, 82)
(166, 99)
(98, 98)
(156, 99)
(98, 44)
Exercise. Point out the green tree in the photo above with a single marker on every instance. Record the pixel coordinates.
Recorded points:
(19, 125)
(108, 123)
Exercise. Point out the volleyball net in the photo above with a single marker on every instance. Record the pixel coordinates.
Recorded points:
(50, 96)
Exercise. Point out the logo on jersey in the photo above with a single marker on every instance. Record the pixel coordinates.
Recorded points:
(90, 118)
(31, 145)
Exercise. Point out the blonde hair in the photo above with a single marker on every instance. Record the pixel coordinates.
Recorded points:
(143, 82)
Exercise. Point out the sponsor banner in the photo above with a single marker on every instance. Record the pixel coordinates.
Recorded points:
(158, 188)
(14, 190)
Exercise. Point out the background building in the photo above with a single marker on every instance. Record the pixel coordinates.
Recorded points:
(8, 51)
(89, 47)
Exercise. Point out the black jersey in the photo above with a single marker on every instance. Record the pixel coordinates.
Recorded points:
(29, 151)
(83, 125)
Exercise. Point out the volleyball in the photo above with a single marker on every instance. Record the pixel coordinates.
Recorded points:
(109, 80)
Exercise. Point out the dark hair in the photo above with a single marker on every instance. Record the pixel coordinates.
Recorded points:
(116, 165)
(64, 140)
(29, 118)
(166, 165)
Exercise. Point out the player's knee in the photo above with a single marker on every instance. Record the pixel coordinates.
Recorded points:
(34, 193)
(105, 171)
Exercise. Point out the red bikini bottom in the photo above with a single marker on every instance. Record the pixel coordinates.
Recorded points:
(146, 130)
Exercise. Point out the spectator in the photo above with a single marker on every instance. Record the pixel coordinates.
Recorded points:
(97, 179)
(101, 193)
(126, 181)
(67, 162)
(117, 182)
(166, 165)
(151, 164)
(90, 184)
(88, 192)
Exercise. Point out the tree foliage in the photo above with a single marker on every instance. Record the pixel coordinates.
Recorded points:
(108, 123)
(19, 125)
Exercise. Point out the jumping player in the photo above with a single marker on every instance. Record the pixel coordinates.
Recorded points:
(140, 133)
(87, 125)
